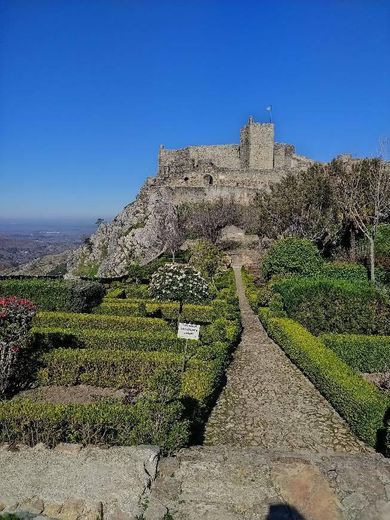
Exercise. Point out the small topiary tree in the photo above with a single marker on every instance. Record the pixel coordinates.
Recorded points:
(292, 256)
(178, 282)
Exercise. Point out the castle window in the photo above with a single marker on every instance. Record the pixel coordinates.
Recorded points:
(208, 180)
(185, 179)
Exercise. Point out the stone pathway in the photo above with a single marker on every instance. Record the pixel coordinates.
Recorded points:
(269, 403)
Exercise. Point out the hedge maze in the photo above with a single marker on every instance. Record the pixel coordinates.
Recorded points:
(119, 338)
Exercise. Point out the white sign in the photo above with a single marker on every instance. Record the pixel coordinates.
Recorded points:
(188, 331)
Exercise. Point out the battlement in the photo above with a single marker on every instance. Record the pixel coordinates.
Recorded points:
(255, 161)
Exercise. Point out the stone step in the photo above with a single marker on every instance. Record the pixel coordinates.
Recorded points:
(230, 483)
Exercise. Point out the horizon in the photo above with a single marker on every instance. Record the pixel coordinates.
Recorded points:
(89, 90)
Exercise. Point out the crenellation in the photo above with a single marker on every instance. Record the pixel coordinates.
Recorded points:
(253, 164)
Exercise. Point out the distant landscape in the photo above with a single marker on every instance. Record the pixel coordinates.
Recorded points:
(22, 241)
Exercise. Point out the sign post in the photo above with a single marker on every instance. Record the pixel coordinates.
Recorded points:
(187, 331)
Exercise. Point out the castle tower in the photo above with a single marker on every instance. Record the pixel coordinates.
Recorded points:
(257, 146)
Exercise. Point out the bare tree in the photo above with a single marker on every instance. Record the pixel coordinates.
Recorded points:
(207, 219)
(169, 230)
(363, 192)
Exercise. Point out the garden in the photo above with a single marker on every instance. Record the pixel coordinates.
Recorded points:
(334, 324)
(94, 363)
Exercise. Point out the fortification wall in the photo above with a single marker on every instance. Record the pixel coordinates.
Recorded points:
(193, 195)
(222, 156)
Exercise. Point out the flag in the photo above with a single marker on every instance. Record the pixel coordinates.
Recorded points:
(269, 108)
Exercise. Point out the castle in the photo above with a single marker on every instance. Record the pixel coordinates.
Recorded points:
(229, 170)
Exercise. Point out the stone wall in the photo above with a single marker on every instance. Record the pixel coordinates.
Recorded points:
(257, 146)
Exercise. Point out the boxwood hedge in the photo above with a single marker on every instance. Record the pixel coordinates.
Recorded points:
(326, 305)
(345, 271)
(55, 295)
(45, 338)
(99, 321)
(120, 368)
(363, 353)
(361, 404)
(146, 422)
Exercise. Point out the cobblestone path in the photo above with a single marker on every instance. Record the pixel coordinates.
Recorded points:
(268, 402)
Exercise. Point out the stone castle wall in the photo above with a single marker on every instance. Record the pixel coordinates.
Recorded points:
(252, 164)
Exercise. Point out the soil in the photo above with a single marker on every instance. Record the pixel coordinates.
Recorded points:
(380, 379)
(80, 394)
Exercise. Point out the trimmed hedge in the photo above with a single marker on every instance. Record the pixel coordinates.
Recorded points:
(360, 403)
(345, 271)
(98, 321)
(121, 368)
(51, 337)
(55, 295)
(363, 353)
(136, 290)
(325, 305)
(116, 293)
(168, 310)
(146, 422)
(292, 256)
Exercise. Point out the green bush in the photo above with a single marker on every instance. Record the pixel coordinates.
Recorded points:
(221, 330)
(382, 246)
(325, 305)
(168, 310)
(121, 368)
(137, 290)
(122, 308)
(363, 353)
(116, 293)
(98, 321)
(344, 271)
(55, 295)
(45, 338)
(292, 256)
(146, 422)
(360, 403)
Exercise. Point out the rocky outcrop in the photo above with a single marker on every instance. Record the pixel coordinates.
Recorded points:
(137, 234)
(46, 265)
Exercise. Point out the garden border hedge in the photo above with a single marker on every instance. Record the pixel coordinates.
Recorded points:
(358, 401)
(145, 422)
(361, 352)
(98, 321)
(55, 295)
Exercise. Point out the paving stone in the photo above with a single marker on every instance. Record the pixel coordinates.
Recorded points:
(268, 402)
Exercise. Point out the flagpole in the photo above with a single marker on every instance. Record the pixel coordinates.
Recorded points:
(269, 110)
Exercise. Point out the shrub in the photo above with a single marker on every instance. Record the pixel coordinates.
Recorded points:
(45, 338)
(221, 330)
(136, 290)
(55, 295)
(117, 293)
(358, 401)
(344, 271)
(363, 353)
(382, 246)
(292, 256)
(118, 368)
(98, 321)
(180, 283)
(122, 308)
(15, 320)
(325, 305)
(146, 422)
(206, 258)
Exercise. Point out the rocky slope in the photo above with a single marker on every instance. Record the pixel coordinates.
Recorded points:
(137, 234)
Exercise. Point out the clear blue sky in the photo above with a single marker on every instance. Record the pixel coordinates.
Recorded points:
(90, 88)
